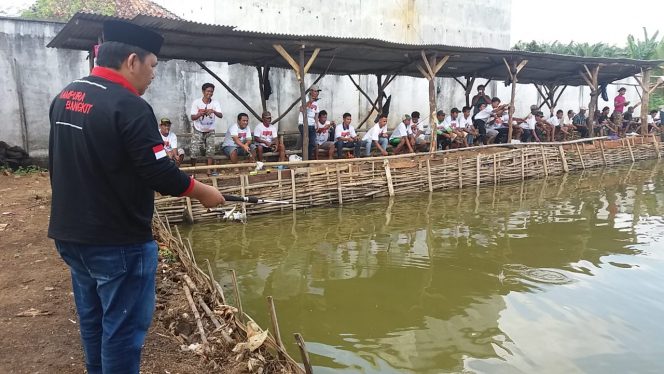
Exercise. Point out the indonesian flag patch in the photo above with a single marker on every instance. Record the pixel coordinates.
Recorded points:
(159, 151)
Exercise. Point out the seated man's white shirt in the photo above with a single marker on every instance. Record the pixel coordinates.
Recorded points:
(465, 123)
(400, 131)
(340, 132)
(451, 123)
(374, 133)
(267, 134)
(553, 120)
(529, 123)
(204, 123)
(170, 141)
(484, 114)
(312, 114)
(235, 130)
(424, 128)
(322, 137)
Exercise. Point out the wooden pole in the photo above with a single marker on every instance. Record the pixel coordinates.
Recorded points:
(645, 78)
(230, 90)
(305, 121)
(563, 158)
(305, 355)
(275, 323)
(261, 86)
(373, 105)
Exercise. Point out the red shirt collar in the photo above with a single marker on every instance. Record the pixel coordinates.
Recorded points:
(113, 76)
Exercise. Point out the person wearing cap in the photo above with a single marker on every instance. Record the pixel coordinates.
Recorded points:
(322, 139)
(444, 133)
(580, 122)
(529, 124)
(311, 111)
(203, 112)
(170, 141)
(421, 130)
(102, 203)
(605, 122)
(346, 137)
(238, 140)
(400, 137)
(376, 137)
(266, 138)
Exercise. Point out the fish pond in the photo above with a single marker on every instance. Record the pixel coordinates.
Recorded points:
(559, 275)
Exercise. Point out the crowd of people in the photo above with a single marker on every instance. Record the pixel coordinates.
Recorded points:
(485, 121)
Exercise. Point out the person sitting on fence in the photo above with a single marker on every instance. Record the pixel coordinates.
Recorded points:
(543, 129)
(346, 137)
(628, 120)
(323, 132)
(604, 123)
(444, 133)
(238, 140)
(485, 115)
(376, 137)
(653, 122)
(567, 120)
(529, 124)
(400, 138)
(452, 122)
(557, 125)
(580, 122)
(421, 132)
(203, 112)
(501, 126)
(266, 138)
(466, 123)
(170, 141)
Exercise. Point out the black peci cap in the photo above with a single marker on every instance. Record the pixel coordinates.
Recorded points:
(129, 33)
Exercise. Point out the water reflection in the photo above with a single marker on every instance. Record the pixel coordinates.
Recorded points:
(458, 280)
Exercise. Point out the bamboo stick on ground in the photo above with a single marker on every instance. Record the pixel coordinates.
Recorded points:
(197, 316)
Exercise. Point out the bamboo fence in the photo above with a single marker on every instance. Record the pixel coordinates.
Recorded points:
(337, 182)
(220, 323)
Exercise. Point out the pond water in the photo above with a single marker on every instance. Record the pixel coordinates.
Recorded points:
(562, 275)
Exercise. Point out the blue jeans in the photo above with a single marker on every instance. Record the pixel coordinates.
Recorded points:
(312, 141)
(369, 143)
(340, 145)
(114, 290)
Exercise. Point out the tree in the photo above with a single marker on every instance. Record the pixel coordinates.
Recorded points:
(62, 10)
(646, 49)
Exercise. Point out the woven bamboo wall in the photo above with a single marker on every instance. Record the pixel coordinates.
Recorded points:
(319, 183)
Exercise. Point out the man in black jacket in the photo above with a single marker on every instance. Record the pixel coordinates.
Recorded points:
(106, 160)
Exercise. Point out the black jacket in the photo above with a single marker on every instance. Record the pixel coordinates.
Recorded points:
(106, 160)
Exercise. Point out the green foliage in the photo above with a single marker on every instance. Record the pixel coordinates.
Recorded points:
(656, 100)
(62, 10)
(573, 48)
(648, 48)
(167, 255)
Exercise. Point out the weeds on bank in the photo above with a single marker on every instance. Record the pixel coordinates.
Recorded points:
(21, 171)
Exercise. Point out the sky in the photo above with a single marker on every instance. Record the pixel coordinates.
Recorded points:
(565, 20)
(561, 20)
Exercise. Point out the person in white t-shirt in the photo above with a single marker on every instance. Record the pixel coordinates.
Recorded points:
(421, 133)
(323, 142)
(170, 141)
(486, 114)
(203, 112)
(452, 122)
(557, 124)
(266, 138)
(466, 123)
(346, 137)
(376, 137)
(400, 135)
(312, 111)
(238, 140)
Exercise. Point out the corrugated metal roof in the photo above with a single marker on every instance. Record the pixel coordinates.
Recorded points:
(189, 40)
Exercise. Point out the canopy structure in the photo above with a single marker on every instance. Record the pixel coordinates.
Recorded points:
(187, 40)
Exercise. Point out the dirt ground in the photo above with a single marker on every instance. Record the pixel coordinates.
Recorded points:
(35, 281)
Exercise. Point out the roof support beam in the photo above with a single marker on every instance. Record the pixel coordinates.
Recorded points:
(648, 89)
(286, 56)
(377, 104)
(591, 77)
(227, 87)
(513, 69)
(373, 106)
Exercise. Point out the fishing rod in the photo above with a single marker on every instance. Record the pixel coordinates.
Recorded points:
(254, 200)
